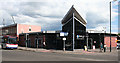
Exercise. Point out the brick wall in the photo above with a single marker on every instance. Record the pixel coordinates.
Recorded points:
(113, 41)
(23, 28)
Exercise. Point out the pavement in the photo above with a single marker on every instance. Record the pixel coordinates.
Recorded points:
(76, 51)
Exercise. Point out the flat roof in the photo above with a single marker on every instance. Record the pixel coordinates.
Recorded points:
(14, 25)
(9, 25)
(49, 32)
(103, 34)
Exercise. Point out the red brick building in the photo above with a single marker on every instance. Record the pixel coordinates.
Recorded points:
(113, 41)
(16, 29)
(104, 38)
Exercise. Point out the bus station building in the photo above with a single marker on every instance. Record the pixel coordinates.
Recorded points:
(72, 23)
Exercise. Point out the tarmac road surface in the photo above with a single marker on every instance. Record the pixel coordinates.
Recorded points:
(20, 55)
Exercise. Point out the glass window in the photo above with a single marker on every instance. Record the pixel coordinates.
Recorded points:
(12, 41)
(5, 40)
(29, 28)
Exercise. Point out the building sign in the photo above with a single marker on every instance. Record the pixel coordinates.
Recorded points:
(63, 34)
(64, 38)
(80, 37)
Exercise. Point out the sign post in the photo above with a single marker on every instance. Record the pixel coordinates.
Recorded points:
(63, 34)
(64, 43)
(37, 44)
(26, 40)
(37, 41)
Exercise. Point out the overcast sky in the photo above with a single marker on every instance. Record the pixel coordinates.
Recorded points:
(49, 13)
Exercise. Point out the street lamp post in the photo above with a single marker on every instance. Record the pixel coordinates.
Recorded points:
(110, 26)
(110, 23)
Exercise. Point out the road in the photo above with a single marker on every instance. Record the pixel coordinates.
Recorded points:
(119, 55)
(20, 55)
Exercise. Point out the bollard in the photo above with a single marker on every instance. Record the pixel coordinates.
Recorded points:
(93, 47)
(85, 48)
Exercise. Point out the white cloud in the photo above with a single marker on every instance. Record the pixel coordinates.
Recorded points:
(49, 13)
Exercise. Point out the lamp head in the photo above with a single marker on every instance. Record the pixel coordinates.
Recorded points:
(114, 0)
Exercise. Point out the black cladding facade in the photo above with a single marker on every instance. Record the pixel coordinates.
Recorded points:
(52, 40)
(79, 29)
(98, 37)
